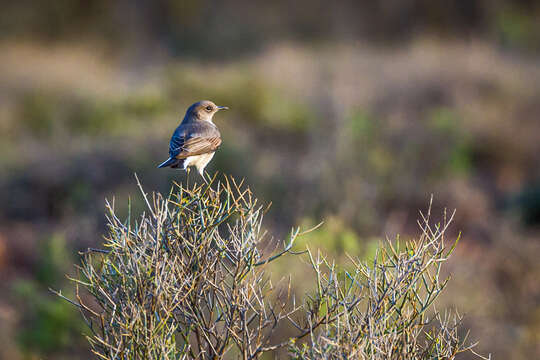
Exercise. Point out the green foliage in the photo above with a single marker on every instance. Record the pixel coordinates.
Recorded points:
(145, 105)
(37, 114)
(46, 113)
(447, 125)
(190, 279)
(254, 100)
(333, 237)
(517, 28)
(47, 325)
(54, 261)
(361, 127)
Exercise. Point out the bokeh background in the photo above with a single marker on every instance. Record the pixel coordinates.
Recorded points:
(351, 112)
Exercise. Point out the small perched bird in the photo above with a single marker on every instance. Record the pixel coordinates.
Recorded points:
(196, 139)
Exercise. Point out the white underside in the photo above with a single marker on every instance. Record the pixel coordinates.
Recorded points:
(199, 161)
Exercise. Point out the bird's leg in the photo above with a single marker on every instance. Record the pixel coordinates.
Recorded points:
(204, 177)
(187, 176)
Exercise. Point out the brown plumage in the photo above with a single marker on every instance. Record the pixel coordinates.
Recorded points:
(195, 140)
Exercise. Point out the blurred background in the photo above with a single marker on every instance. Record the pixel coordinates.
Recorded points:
(351, 112)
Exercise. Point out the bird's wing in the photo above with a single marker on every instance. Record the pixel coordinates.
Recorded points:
(198, 146)
(194, 139)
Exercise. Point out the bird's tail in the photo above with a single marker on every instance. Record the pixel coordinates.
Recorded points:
(172, 162)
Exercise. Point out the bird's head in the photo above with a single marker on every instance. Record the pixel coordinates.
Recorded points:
(204, 110)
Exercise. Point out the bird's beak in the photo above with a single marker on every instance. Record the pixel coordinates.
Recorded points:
(222, 108)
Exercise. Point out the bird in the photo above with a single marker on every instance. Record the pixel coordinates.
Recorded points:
(196, 139)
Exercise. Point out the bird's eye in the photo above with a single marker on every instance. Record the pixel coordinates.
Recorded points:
(209, 108)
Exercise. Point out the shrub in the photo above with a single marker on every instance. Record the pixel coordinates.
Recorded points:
(190, 279)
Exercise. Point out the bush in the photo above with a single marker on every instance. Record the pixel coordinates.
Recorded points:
(190, 279)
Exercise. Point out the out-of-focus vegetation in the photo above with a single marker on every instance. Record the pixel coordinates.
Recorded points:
(351, 113)
(213, 29)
